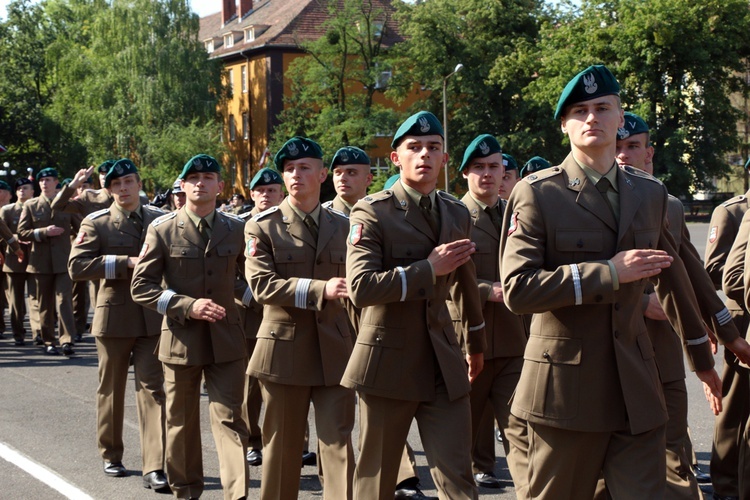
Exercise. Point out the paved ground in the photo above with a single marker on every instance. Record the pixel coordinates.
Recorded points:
(47, 426)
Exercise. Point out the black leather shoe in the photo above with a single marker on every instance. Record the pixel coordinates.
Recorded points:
(20, 342)
(38, 340)
(114, 469)
(254, 457)
(412, 493)
(309, 458)
(51, 350)
(78, 338)
(155, 480)
(700, 476)
(67, 349)
(487, 480)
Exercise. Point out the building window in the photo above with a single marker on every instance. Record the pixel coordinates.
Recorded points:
(229, 40)
(243, 78)
(230, 80)
(245, 126)
(246, 170)
(249, 34)
(232, 129)
(209, 44)
(377, 29)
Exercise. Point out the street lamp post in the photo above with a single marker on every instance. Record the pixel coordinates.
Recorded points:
(458, 68)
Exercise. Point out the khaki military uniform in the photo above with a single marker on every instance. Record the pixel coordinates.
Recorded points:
(302, 347)
(724, 229)
(506, 340)
(338, 204)
(48, 262)
(589, 387)
(121, 327)
(18, 281)
(175, 256)
(407, 363)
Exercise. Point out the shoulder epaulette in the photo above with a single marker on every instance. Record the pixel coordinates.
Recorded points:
(245, 215)
(636, 172)
(164, 218)
(337, 212)
(262, 214)
(543, 174)
(733, 201)
(379, 196)
(327, 204)
(98, 213)
(232, 216)
(152, 208)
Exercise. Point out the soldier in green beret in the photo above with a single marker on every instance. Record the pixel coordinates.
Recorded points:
(408, 248)
(582, 240)
(535, 164)
(49, 232)
(351, 178)
(510, 177)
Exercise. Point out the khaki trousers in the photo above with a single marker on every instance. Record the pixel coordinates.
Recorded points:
(16, 288)
(53, 292)
(114, 360)
(225, 383)
(252, 403)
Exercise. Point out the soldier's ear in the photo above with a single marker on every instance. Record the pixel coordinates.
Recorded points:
(394, 158)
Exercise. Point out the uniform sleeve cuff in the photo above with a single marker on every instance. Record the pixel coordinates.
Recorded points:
(577, 284)
(615, 278)
(402, 275)
(110, 262)
(300, 293)
(247, 297)
(163, 304)
(37, 235)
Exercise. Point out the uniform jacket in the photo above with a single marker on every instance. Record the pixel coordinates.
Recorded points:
(251, 312)
(303, 338)
(406, 337)
(735, 274)
(10, 215)
(506, 334)
(91, 200)
(175, 256)
(337, 204)
(49, 255)
(591, 367)
(100, 252)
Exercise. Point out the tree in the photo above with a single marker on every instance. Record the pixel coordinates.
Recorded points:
(334, 88)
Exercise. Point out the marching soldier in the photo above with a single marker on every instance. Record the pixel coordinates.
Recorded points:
(194, 254)
(581, 240)
(482, 167)
(49, 232)
(178, 196)
(14, 267)
(727, 220)
(535, 164)
(295, 262)
(351, 178)
(266, 192)
(91, 200)
(510, 177)
(106, 249)
(406, 247)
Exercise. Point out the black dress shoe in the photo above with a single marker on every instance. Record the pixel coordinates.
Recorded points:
(51, 350)
(309, 458)
(20, 342)
(114, 469)
(412, 493)
(254, 457)
(700, 476)
(78, 338)
(67, 349)
(156, 480)
(487, 480)
(38, 340)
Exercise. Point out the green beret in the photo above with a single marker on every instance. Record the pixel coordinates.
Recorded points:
(265, 177)
(391, 181)
(634, 125)
(21, 181)
(104, 167)
(177, 187)
(4, 185)
(296, 148)
(535, 164)
(121, 168)
(200, 163)
(592, 82)
(47, 172)
(422, 123)
(350, 155)
(66, 181)
(509, 162)
(481, 147)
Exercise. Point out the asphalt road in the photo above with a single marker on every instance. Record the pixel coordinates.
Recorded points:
(48, 431)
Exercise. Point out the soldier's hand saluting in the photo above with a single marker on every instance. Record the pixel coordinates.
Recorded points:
(447, 257)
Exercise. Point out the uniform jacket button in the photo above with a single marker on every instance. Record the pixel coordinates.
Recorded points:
(208, 291)
(288, 257)
(598, 298)
(379, 339)
(209, 273)
(208, 254)
(617, 306)
(273, 334)
(579, 244)
(183, 252)
(545, 355)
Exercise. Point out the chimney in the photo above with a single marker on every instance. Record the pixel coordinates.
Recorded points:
(245, 7)
(228, 11)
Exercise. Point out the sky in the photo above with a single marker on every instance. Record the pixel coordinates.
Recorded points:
(200, 7)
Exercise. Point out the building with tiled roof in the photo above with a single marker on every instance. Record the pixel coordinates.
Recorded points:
(256, 40)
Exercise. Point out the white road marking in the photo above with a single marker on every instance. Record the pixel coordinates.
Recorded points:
(42, 473)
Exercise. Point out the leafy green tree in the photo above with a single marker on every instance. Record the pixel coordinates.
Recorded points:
(335, 87)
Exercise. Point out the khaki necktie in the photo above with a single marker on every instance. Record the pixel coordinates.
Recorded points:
(603, 186)
(494, 214)
(425, 205)
(136, 222)
(203, 230)
(312, 226)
